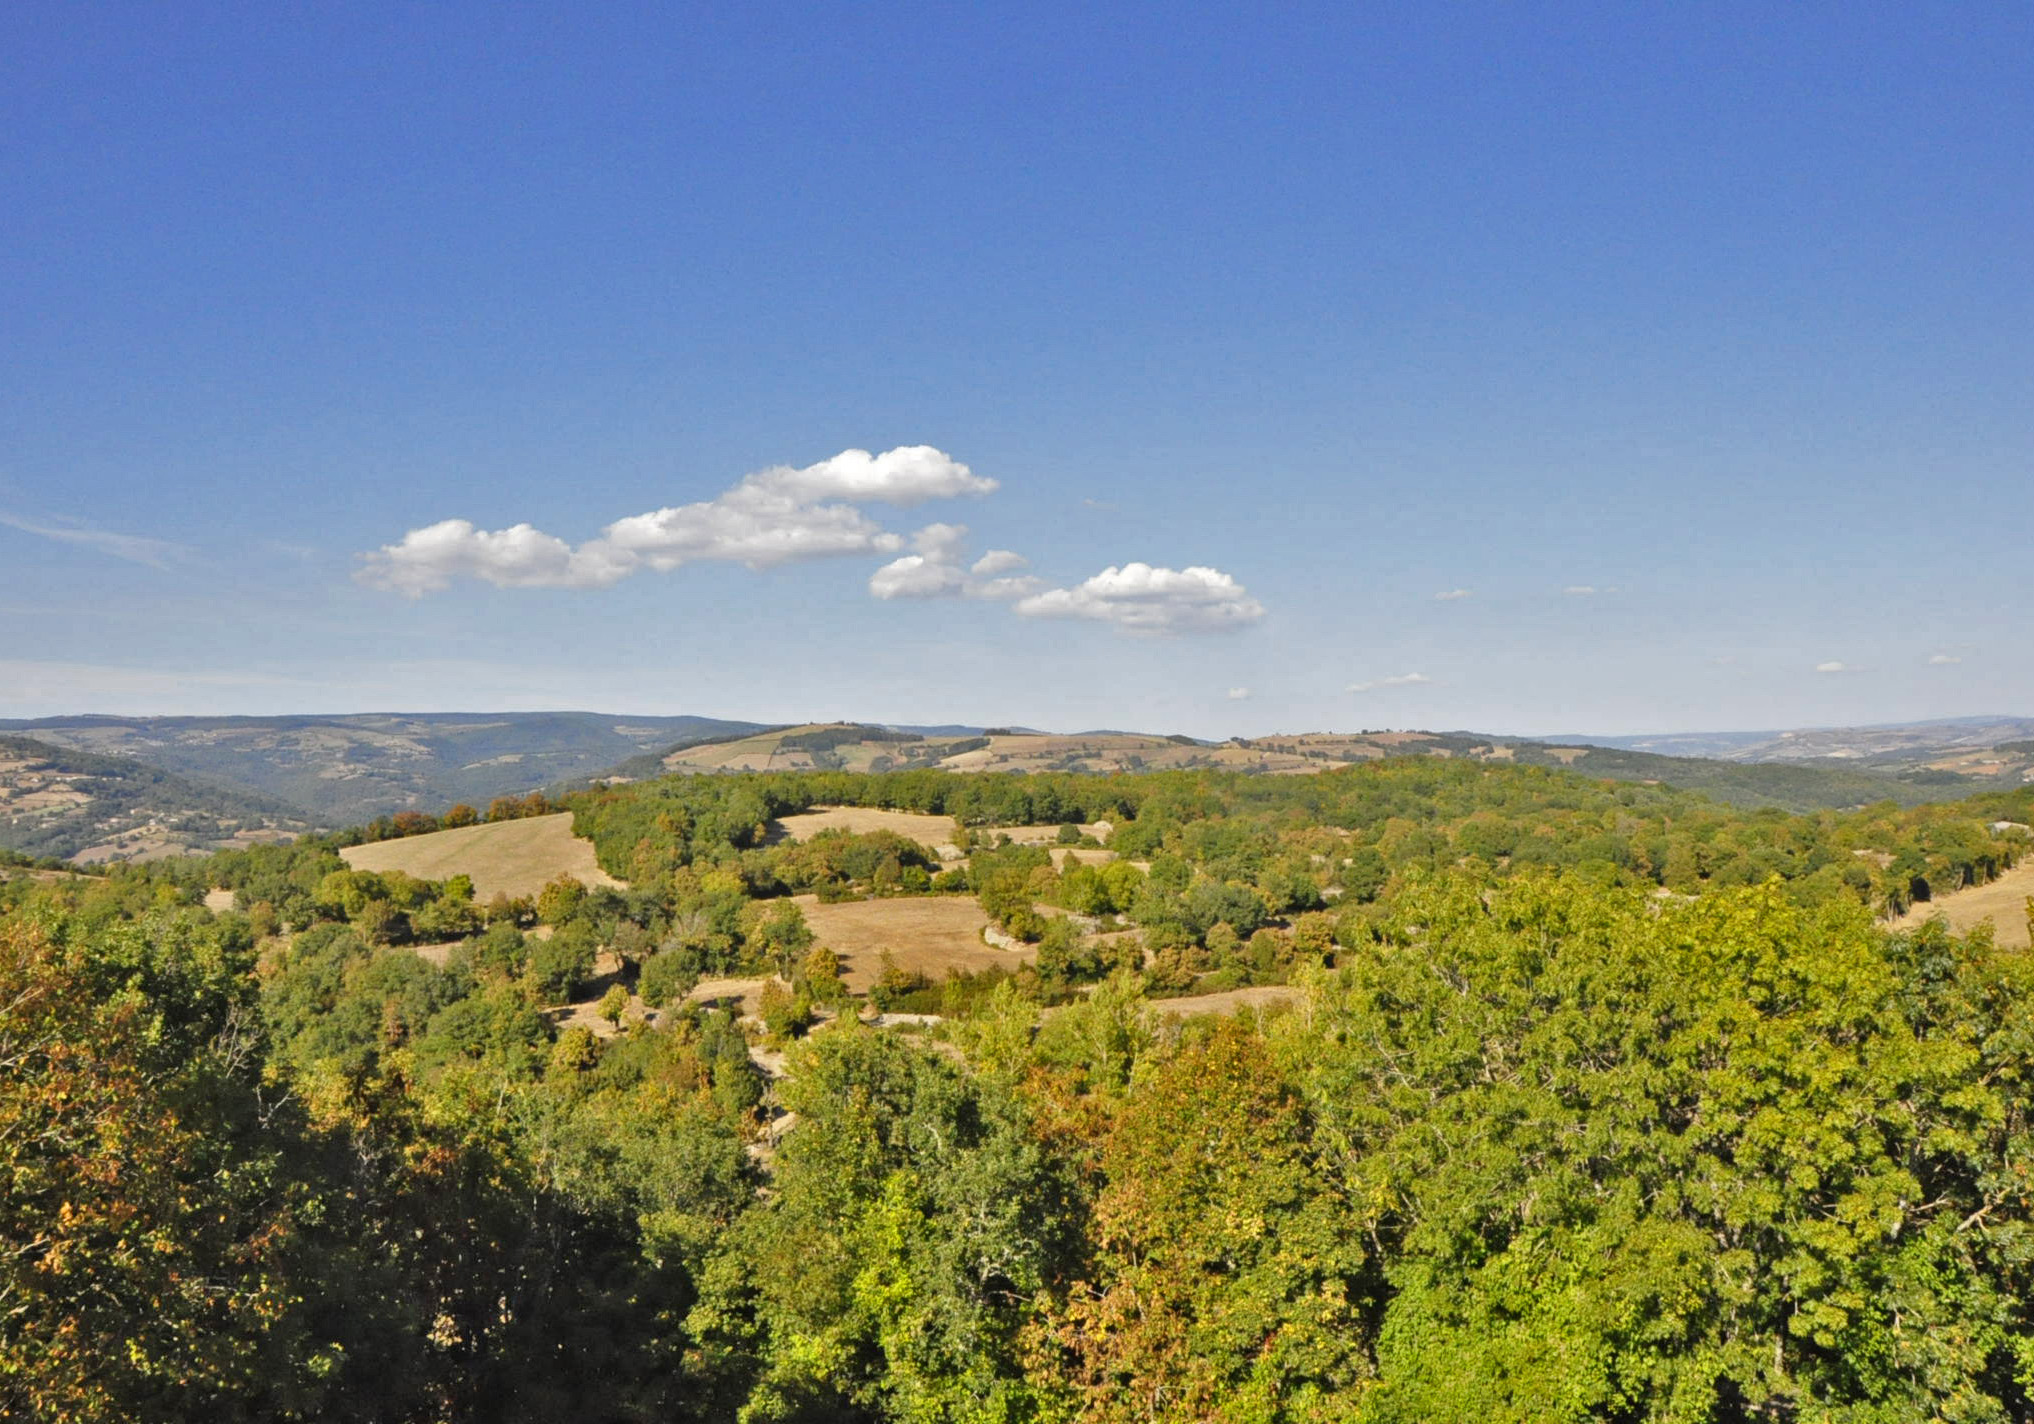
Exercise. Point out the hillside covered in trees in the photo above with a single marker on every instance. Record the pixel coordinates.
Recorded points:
(57, 801)
(1585, 1100)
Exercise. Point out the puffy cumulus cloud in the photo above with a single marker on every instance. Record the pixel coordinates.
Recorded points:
(1832, 666)
(520, 556)
(907, 475)
(1404, 679)
(997, 561)
(935, 571)
(917, 576)
(745, 526)
(776, 516)
(945, 542)
(1141, 598)
(1239, 694)
(1944, 660)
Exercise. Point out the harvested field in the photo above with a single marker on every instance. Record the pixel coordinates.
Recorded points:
(1033, 835)
(218, 901)
(748, 991)
(925, 934)
(1063, 856)
(1228, 1001)
(2003, 902)
(503, 857)
(933, 832)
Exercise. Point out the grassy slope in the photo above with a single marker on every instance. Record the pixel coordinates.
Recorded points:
(507, 857)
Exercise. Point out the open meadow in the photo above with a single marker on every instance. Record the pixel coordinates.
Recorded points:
(926, 935)
(935, 833)
(512, 858)
(2003, 902)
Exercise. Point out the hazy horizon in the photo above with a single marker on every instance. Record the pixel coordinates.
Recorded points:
(1564, 734)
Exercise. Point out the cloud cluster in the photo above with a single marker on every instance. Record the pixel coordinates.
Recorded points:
(1141, 598)
(936, 571)
(785, 515)
(1404, 679)
(1137, 598)
(775, 516)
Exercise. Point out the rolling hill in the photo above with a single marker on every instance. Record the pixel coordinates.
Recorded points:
(56, 801)
(848, 746)
(343, 770)
(1827, 783)
(165, 784)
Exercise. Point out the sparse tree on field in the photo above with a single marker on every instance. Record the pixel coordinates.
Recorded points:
(613, 1004)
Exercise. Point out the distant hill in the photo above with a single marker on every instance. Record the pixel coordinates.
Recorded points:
(1790, 787)
(323, 772)
(343, 770)
(850, 746)
(1892, 741)
(56, 801)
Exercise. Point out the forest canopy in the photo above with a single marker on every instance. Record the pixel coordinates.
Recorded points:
(1577, 1100)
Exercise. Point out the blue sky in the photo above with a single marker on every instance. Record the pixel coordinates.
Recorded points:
(1725, 313)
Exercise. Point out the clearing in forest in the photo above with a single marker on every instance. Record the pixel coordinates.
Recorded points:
(504, 857)
(935, 833)
(1227, 1001)
(925, 934)
(2002, 901)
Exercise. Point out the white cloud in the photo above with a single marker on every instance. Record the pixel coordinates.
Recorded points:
(941, 541)
(520, 556)
(998, 561)
(1833, 666)
(1944, 660)
(1239, 694)
(1002, 590)
(775, 516)
(917, 576)
(744, 526)
(935, 570)
(1404, 679)
(135, 548)
(907, 475)
(1452, 594)
(1581, 590)
(1140, 598)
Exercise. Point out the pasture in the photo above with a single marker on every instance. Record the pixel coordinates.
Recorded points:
(2003, 902)
(925, 934)
(935, 833)
(512, 858)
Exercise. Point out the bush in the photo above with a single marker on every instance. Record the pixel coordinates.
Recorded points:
(562, 964)
(894, 983)
(502, 950)
(613, 1004)
(666, 979)
(785, 1015)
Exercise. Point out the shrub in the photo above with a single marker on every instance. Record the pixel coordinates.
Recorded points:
(563, 963)
(666, 979)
